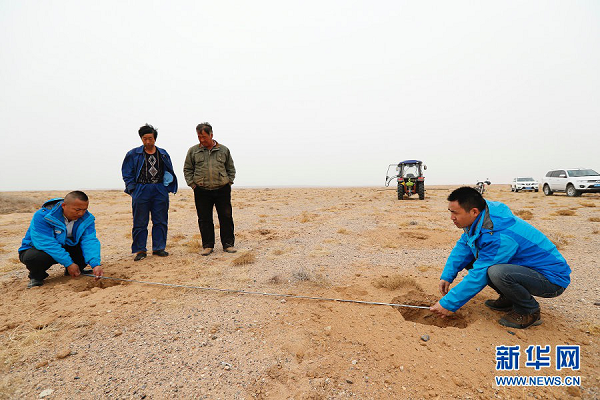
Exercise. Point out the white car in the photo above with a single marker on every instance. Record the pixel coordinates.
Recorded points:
(521, 183)
(573, 181)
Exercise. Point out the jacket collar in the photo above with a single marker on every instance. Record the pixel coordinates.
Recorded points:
(140, 149)
(215, 147)
(482, 222)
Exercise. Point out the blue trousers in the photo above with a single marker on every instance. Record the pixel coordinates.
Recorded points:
(149, 200)
(519, 284)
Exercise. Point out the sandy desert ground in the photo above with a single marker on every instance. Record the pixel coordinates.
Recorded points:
(77, 338)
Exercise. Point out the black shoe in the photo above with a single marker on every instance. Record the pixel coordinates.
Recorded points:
(140, 256)
(160, 253)
(500, 304)
(34, 282)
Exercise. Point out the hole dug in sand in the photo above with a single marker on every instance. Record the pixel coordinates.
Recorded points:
(89, 284)
(426, 317)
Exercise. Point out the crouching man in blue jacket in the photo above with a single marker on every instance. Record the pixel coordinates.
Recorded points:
(148, 175)
(502, 251)
(61, 232)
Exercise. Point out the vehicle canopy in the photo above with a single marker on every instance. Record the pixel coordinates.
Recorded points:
(410, 162)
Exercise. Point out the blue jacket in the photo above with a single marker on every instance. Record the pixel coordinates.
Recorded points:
(132, 166)
(48, 233)
(499, 237)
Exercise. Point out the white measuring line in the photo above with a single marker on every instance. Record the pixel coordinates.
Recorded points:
(293, 296)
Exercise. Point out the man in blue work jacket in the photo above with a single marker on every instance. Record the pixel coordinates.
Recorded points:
(502, 251)
(148, 175)
(61, 232)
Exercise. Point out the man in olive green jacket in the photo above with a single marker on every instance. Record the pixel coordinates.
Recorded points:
(209, 171)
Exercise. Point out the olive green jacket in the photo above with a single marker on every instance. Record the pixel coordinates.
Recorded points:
(208, 169)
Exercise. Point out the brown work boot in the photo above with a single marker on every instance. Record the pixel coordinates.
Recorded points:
(230, 249)
(206, 251)
(500, 304)
(520, 321)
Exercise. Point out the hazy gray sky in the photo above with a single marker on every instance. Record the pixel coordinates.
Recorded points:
(302, 92)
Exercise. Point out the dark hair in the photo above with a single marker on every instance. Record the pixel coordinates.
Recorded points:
(77, 194)
(204, 127)
(468, 198)
(146, 129)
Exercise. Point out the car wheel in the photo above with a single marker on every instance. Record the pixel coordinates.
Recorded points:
(421, 191)
(512, 189)
(547, 190)
(572, 192)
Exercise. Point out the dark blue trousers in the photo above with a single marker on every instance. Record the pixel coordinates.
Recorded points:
(519, 284)
(149, 200)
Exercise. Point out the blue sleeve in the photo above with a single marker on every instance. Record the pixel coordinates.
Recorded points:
(90, 246)
(128, 172)
(459, 258)
(494, 250)
(43, 239)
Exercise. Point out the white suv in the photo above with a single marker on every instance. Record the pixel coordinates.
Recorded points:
(521, 183)
(573, 181)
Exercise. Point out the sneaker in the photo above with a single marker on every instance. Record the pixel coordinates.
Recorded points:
(230, 249)
(140, 256)
(520, 321)
(34, 282)
(160, 253)
(500, 304)
(206, 251)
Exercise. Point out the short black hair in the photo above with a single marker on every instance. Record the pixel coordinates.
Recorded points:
(468, 198)
(146, 129)
(204, 127)
(77, 194)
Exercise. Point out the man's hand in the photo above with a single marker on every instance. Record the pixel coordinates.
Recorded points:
(98, 271)
(444, 287)
(439, 310)
(73, 270)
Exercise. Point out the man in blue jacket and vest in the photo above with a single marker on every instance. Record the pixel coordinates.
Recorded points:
(61, 232)
(148, 175)
(502, 251)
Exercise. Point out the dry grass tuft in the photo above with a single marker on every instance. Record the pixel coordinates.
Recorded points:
(247, 257)
(393, 282)
(193, 246)
(423, 268)
(524, 214)
(177, 237)
(17, 204)
(559, 239)
(306, 217)
(594, 219)
(564, 213)
(343, 231)
(275, 279)
(587, 204)
(301, 275)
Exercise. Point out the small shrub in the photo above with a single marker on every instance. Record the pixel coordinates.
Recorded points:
(559, 240)
(564, 213)
(343, 231)
(244, 258)
(524, 214)
(393, 282)
(587, 204)
(301, 275)
(594, 219)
